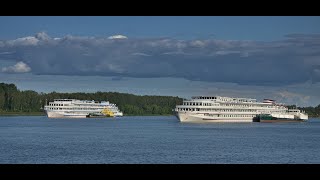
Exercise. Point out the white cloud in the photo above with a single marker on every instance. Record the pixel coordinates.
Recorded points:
(198, 43)
(5, 53)
(42, 36)
(24, 41)
(176, 53)
(118, 37)
(140, 54)
(20, 67)
(227, 52)
(211, 60)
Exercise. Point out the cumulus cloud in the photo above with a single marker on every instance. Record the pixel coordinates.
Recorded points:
(140, 54)
(20, 67)
(118, 37)
(25, 41)
(295, 59)
(42, 36)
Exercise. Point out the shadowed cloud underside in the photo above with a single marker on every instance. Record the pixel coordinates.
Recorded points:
(295, 59)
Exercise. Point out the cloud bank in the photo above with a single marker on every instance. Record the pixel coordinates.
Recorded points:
(295, 59)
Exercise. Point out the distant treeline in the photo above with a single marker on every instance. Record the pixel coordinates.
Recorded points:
(14, 100)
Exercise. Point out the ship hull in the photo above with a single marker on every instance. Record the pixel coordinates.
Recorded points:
(275, 118)
(51, 114)
(200, 118)
(280, 120)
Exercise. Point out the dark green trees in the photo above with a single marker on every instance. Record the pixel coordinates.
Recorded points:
(14, 100)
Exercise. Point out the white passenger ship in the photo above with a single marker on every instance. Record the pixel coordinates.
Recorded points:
(73, 108)
(228, 109)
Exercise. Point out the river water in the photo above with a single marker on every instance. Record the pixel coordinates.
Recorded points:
(155, 140)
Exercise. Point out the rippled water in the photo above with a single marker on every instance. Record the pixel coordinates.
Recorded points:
(157, 139)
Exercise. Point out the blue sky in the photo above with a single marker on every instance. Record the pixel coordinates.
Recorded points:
(221, 27)
(257, 57)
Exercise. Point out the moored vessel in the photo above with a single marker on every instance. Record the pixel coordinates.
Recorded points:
(229, 109)
(73, 108)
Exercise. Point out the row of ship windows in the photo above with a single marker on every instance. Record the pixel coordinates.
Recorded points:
(206, 98)
(236, 100)
(209, 104)
(96, 105)
(220, 110)
(55, 104)
(230, 115)
(224, 110)
(72, 108)
(229, 99)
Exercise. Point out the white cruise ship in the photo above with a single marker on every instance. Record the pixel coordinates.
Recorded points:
(73, 108)
(228, 109)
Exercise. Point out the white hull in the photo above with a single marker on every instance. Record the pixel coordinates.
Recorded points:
(303, 116)
(296, 116)
(200, 118)
(51, 114)
(283, 116)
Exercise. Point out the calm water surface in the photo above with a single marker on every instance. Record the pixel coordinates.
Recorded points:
(135, 140)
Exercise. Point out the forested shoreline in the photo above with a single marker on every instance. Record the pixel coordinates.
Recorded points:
(15, 101)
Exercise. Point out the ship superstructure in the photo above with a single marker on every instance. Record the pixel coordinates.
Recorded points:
(73, 108)
(229, 109)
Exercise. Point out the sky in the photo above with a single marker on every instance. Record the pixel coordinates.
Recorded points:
(259, 57)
